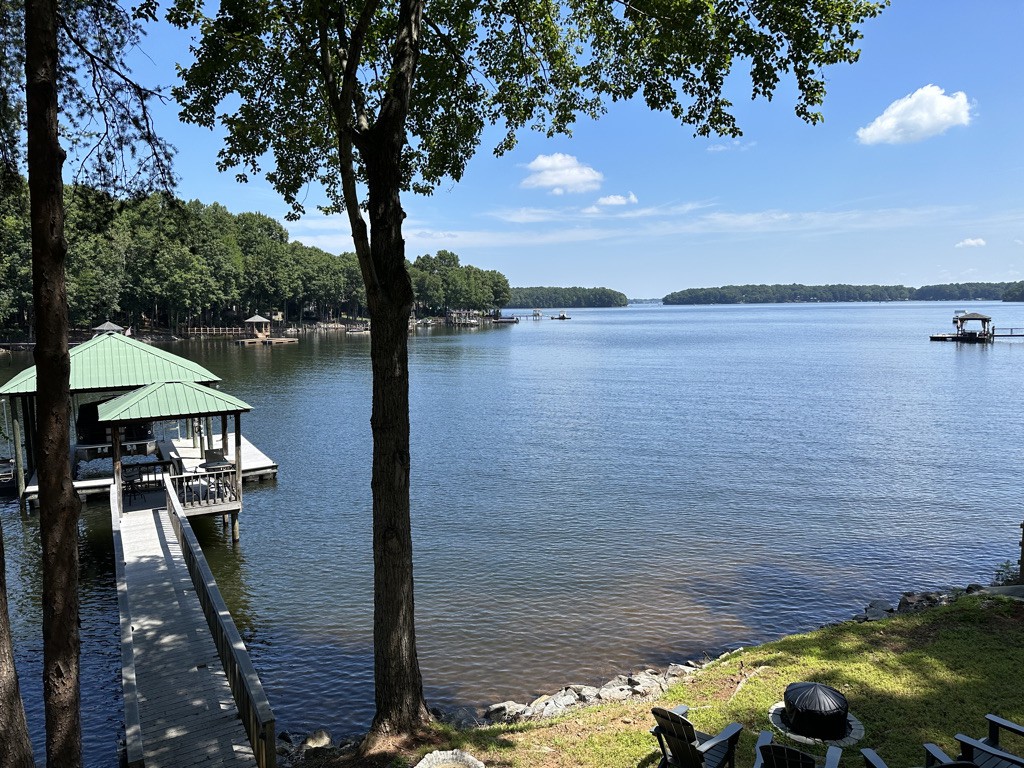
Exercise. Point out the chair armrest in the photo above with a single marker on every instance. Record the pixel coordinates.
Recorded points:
(730, 733)
(872, 760)
(969, 746)
(763, 738)
(933, 755)
(995, 723)
(832, 757)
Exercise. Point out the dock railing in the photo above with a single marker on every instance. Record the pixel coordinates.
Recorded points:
(246, 688)
(202, 330)
(205, 489)
(132, 719)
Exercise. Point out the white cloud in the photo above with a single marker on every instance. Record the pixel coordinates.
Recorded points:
(971, 242)
(560, 173)
(591, 210)
(742, 146)
(617, 200)
(926, 112)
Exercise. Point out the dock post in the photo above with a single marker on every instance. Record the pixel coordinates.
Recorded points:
(19, 460)
(234, 527)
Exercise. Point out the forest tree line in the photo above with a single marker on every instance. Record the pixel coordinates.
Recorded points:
(163, 262)
(573, 297)
(796, 293)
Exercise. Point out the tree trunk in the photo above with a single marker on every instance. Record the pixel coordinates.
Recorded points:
(15, 746)
(58, 504)
(399, 686)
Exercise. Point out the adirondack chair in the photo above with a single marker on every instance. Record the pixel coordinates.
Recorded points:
(768, 754)
(988, 752)
(933, 758)
(683, 746)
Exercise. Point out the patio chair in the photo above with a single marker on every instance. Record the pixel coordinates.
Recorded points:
(996, 725)
(131, 479)
(683, 746)
(213, 454)
(933, 757)
(768, 754)
(987, 752)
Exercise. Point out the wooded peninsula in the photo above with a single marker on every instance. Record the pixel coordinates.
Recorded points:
(796, 293)
(574, 297)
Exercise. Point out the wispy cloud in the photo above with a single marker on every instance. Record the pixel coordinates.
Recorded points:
(560, 173)
(926, 112)
(736, 145)
(617, 200)
(970, 242)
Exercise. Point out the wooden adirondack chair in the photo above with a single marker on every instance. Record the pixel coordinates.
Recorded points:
(683, 746)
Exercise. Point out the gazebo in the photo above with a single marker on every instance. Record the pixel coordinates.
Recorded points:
(259, 327)
(107, 327)
(960, 320)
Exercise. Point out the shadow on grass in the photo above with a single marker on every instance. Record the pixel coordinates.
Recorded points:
(909, 680)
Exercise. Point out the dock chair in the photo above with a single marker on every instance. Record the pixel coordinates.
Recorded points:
(987, 752)
(933, 757)
(768, 754)
(213, 454)
(683, 746)
(131, 479)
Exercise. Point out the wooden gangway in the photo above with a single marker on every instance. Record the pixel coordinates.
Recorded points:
(192, 696)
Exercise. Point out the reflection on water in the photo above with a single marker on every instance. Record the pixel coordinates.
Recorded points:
(633, 486)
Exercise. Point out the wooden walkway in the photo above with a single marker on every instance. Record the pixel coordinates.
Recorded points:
(185, 708)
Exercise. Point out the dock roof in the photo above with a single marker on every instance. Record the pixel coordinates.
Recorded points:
(114, 362)
(169, 400)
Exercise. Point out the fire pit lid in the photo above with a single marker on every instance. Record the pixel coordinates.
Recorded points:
(816, 710)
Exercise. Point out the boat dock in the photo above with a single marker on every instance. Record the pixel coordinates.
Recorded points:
(986, 334)
(192, 696)
(178, 456)
(270, 341)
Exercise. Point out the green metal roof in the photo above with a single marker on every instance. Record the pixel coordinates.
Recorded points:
(111, 362)
(169, 400)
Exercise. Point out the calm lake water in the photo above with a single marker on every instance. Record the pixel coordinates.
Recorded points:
(634, 486)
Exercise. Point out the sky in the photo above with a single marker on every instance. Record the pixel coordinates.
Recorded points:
(916, 176)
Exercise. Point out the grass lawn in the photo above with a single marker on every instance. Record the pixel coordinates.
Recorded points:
(910, 679)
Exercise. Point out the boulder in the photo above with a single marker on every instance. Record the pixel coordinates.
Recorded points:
(679, 670)
(614, 693)
(585, 693)
(317, 739)
(879, 605)
(505, 712)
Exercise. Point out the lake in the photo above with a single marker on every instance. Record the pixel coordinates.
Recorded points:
(631, 487)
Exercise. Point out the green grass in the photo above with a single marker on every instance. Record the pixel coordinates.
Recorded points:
(909, 679)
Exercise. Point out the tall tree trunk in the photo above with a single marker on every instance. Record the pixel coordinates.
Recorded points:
(15, 746)
(399, 686)
(58, 504)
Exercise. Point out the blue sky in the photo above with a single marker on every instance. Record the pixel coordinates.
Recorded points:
(915, 177)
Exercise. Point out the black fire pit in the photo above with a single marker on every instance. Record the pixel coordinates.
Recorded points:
(816, 711)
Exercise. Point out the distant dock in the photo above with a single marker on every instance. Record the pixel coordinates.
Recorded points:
(971, 334)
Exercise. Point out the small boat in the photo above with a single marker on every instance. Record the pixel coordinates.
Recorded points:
(561, 316)
(6, 473)
(505, 320)
(359, 329)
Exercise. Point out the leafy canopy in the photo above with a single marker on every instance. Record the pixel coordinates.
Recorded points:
(300, 78)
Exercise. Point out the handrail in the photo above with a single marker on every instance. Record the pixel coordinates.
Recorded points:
(205, 489)
(246, 688)
(132, 719)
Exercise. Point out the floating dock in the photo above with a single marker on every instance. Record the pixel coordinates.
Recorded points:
(267, 342)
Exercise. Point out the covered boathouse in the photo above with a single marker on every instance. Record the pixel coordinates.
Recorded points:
(120, 388)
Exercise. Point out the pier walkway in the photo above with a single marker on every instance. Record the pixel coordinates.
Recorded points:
(181, 653)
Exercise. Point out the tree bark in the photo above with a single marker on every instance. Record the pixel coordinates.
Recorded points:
(15, 746)
(401, 707)
(58, 504)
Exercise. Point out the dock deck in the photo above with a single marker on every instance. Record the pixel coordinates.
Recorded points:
(256, 465)
(187, 715)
